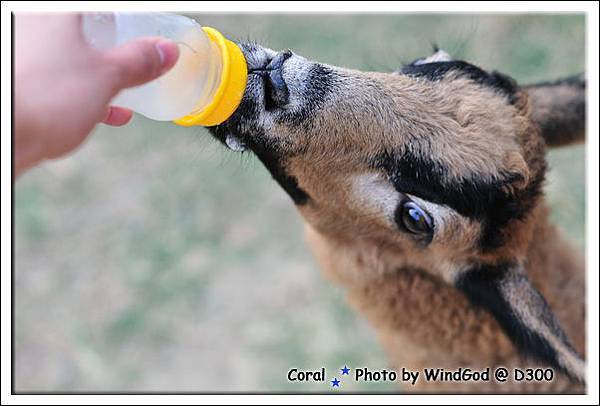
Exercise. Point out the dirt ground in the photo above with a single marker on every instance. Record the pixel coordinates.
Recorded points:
(155, 259)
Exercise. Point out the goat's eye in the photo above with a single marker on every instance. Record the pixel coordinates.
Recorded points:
(415, 219)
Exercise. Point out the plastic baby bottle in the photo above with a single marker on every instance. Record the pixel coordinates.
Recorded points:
(203, 88)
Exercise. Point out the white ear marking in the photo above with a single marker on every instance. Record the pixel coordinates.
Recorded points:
(439, 56)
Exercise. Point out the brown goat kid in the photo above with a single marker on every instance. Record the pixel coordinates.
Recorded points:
(422, 193)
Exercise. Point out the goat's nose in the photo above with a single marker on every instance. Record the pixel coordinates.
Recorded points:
(276, 89)
(279, 59)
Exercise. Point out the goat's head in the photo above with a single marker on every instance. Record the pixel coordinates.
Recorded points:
(441, 163)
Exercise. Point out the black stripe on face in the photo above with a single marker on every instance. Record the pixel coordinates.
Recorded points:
(437, 70)
(274, 164)
(319, 83)
(495, 287)
(482, 199)
(271, 158)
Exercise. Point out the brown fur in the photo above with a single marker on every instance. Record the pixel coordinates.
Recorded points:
(461, 127)
(423, 322)
(407, 290)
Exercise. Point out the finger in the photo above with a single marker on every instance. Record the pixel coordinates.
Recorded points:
(140, 61)
(117, 116)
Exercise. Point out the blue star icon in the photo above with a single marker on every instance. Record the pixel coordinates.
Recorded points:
(345, 370)
(335, 382)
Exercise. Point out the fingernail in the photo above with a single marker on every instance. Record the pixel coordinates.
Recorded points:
(168, 52)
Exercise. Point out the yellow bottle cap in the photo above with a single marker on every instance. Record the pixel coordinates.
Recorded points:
(231, 89)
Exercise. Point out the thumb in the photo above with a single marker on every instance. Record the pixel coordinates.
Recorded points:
(140, 61)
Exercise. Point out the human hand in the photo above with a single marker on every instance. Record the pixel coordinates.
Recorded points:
(63, 86)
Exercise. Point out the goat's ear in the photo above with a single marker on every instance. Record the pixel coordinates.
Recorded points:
(439, 55)
(558, 108)
(523, 314)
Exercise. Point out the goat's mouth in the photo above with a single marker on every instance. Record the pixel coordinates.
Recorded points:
(284, 92)
(276, 93)
(266, 93)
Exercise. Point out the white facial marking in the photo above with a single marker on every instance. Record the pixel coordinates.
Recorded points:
(295, 72)
(375, 192)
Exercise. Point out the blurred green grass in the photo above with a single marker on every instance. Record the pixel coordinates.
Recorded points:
(155, 259)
